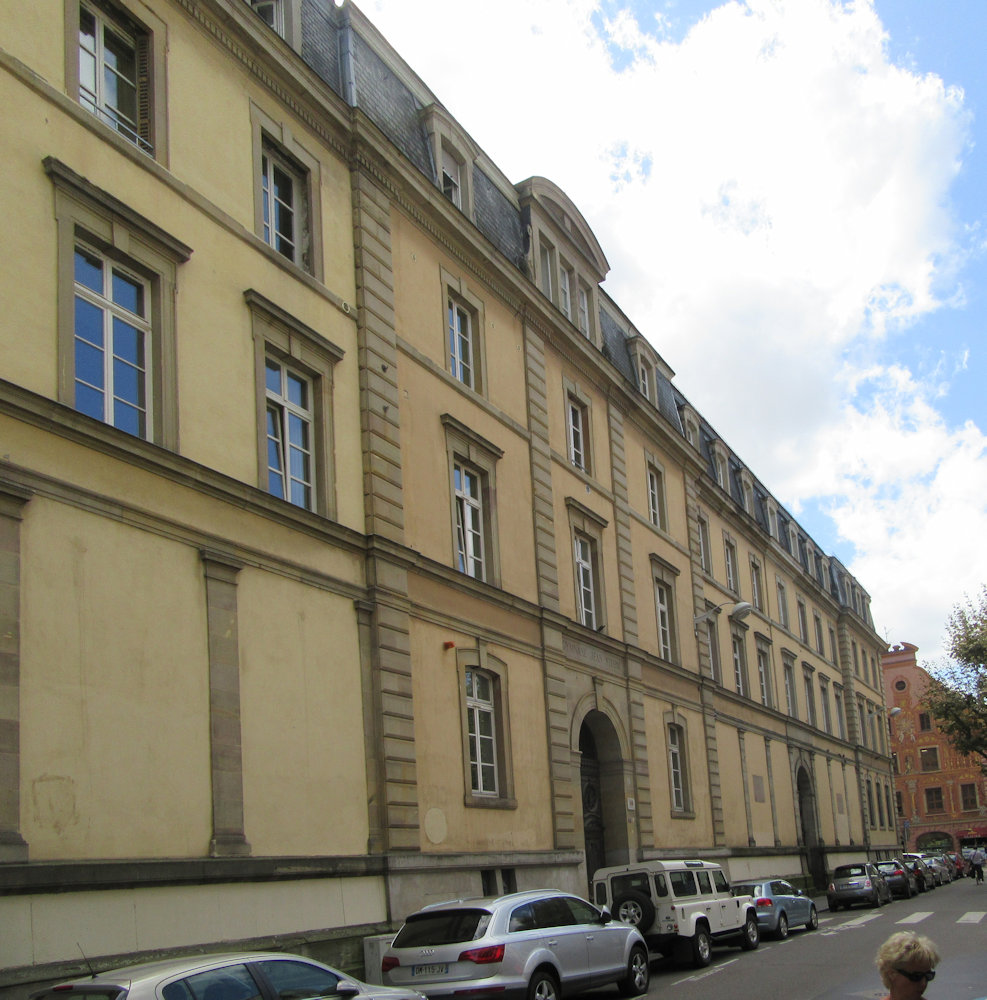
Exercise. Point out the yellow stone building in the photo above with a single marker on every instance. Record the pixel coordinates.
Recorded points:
(357, 549)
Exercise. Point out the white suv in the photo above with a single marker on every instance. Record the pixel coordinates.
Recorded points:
(681, 907)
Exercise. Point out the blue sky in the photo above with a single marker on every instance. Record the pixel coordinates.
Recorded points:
(791, 197)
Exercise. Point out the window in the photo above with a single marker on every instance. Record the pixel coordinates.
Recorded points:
(546, 267)
(271, 12)
(840, 713)
(112, 335)
(656, 498)
(803, 622)
(486, 742)
(587, 535)
(924, 722)
(460, 343)
(739, 664)
(929, 758)
(565, 291)
(933, 800)
(862, 718)
(286, 194)
(678, 787)
(782, 605)
(231, 982)
(730, 559)
(451, 183)
(856, 658)
(968, 795)
(644, 379)
(578, 428)
(294, 406)
(290, 978)
(586, 587)
(880, 806)
(582, 299)
(824, 702)
(713, 642)
(791, 705)
(870, 803)
(721, 471)
(472, 468)
(664, 578)
(832, 644)
(810, 697)
(764, 674)
(887, 804)
(817, 624)
(899, 803)
(705, 558)
(894, 763)
(757, 591)
(115, 67)
(482, 733)
(117, 274)
(290, 468)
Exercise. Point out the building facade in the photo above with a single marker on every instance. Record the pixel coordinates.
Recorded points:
(940, 794)
(359, 550)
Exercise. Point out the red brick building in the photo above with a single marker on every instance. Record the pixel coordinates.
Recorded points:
(941, 794)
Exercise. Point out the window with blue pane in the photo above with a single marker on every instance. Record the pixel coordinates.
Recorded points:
(289, 434)
(112, 329)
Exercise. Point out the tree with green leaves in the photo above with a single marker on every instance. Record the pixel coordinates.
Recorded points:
(957, 692)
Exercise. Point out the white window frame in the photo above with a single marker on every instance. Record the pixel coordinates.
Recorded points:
(582, 310)
(469, 519)
(802, 619)
(461, 351)
(284, 413)
(586, 528)
(566, 281)
(820, 642)
(676, 767)
(546, 267)
(739, 653)
(271, 12)
(782, 604)
(730, 562)
(810, 696)
(657, 511)
(827, 714)
(791, 699)
(705, 554)
(584, 559)
(483, 749)
(713, 643)
(664, 607)
(838, 702)
(451, 178)
(578, 424)
(764, 674)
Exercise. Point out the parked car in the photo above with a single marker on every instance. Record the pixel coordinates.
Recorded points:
(924, 875)
(525, 945)
(857, 883)
(945, 866)
(681, 907)
(900, 878)
(959, 863)
(937, 868)
(779, 906)
(238, 976)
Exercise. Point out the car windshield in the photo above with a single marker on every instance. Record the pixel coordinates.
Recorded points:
(442, 927)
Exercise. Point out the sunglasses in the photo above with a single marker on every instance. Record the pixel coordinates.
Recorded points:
(917, 977)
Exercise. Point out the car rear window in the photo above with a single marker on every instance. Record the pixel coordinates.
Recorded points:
(747, 889)
(887, 866)
(847, 871)
(442, 927)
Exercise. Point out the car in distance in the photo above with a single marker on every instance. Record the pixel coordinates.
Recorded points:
(924, 875)
(536, 945)
(236, 976)
(900, 878)
(936, 868)
(681, 907)
(779, 906)
(857, 883)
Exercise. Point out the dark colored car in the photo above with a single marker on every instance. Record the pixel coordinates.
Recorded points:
(928, 875)
(900, 878)
(779, 905)
(857, 883)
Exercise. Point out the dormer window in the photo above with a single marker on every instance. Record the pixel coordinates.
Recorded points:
(582, 298)
(644, 379)
(546, 266)
(451, 181)
(271, 12)
(565, 291)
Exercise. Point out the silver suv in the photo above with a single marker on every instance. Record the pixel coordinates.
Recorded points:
(536, 945)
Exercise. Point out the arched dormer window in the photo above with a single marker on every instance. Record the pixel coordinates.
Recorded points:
(453, 153)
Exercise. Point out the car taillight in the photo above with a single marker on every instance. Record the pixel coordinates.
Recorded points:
(764, 901)
(388, 962)
(832, 887)
(867, 883)
(897, 871)
(484, 956)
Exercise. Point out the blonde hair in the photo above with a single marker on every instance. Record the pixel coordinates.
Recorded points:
(905, 946)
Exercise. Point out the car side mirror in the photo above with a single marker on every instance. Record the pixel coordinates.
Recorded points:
(347, 988)
(605, 916)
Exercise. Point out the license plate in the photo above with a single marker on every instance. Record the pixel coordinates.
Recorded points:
(429, 970)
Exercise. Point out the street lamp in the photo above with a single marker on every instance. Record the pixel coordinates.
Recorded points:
(741, 609)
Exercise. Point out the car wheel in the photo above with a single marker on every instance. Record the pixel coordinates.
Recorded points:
(702, 947)
(543, 986)
(782, 928)
(638, 975)
(752, 936)
(812, 924)
(634, 908)
(876, 901)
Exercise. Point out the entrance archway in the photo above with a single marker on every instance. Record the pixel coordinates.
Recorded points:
(601, 774)
(815, 856)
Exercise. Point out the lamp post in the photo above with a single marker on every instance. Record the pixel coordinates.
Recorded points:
(741, 609)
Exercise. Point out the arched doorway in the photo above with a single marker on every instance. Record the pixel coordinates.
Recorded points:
(601, 774)
(815, 856)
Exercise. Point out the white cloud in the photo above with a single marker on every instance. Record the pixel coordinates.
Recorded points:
(773, 196)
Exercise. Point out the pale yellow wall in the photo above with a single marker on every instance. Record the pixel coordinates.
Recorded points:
(785, 796)
(304, 782)
(731, 784)
(448, 826)
(27, 31)
(421, 320)
(113, 649)
(760, 810)
(47, 928)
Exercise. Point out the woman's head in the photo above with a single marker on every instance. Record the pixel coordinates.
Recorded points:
(906, 954)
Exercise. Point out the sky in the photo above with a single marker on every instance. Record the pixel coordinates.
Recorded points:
(792, 196)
